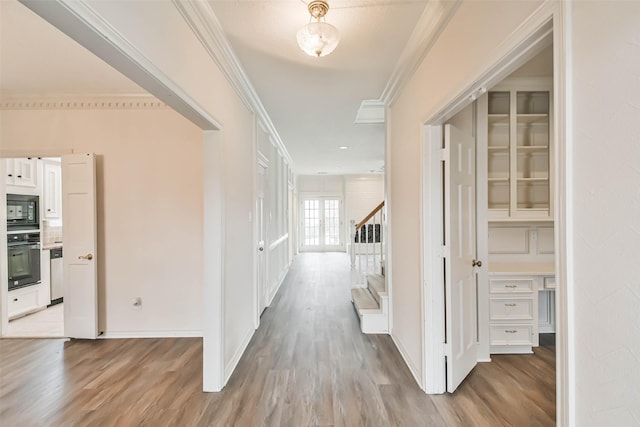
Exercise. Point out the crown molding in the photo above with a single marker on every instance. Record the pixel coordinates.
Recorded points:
(371, 111)
(78, 20)
(81, 102)
(434, 19)
(206, 26)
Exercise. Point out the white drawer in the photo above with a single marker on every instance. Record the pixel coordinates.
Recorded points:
(549, 282)
(511, 286)
(511, 309)
(22, 301)
(511, 335)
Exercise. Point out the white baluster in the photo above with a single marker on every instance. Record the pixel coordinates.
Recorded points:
(353, 244)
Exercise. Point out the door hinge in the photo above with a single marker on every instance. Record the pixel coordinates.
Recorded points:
(443, 154)
(447, 349)
(445, 252)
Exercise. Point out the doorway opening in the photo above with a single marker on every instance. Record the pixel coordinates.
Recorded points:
(516, 115)
(35, 308)
(321, 224)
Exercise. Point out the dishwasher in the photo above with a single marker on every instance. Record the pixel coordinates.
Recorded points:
(56, 275)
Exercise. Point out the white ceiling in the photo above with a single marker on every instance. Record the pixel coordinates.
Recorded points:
(312, 102)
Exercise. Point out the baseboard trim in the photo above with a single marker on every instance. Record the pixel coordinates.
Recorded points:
(407, 360)
(277, 287)
(152, 334)
(233, 363)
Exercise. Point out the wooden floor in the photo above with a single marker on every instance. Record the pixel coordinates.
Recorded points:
(307, 365)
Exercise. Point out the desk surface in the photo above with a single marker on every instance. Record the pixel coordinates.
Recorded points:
(524, 268)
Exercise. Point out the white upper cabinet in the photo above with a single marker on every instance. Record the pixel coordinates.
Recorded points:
(52, 189)
(22, 172)
(518, 141)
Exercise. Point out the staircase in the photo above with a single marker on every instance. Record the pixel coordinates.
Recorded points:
(369, 289)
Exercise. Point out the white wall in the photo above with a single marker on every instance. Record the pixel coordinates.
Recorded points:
(605, 152)
(476, 30)
(161, 34)
(149, 209)
(363, 193)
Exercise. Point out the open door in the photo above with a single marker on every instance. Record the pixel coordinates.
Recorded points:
(460, 237)
(80, 261)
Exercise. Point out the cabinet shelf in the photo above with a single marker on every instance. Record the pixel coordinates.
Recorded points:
(519, 156)
(533, 148)
(533, 119)
(499, 119)
(534, 179)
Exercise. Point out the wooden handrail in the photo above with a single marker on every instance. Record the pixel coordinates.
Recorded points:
(368, 217)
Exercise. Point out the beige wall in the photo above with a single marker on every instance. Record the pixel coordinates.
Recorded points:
(149, 179)
(472, 36)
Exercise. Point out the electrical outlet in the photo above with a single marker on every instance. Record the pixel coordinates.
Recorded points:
(137, 303)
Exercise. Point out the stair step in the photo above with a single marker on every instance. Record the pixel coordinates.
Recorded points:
(377, 286)
(363, 300)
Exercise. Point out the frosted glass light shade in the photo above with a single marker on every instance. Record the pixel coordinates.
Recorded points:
(318, 38)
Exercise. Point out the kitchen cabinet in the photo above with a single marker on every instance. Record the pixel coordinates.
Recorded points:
(521, 305)
(22, 172)
(52, 189)
(518, 140)
(27, 300)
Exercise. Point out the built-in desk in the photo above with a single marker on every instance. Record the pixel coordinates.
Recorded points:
(521, 305)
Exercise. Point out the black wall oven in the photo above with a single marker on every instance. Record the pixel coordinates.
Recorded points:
(23, 252)
(22, 212)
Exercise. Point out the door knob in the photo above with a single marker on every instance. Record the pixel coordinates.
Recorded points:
(261, 248)
(476, 263)
(88, 257)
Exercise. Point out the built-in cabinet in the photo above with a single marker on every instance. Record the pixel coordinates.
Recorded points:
(28, 299)
(21, 173)
(520, 307)
(519, 151)
(515, 132)
(52, 189)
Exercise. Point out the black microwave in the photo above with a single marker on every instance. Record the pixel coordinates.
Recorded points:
(22, 212)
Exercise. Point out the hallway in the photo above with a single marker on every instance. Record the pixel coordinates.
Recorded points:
(307, 365)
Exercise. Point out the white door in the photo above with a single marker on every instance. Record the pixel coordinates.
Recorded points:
(460, 237)
(322, 224)
(262, 237)
(79, 272)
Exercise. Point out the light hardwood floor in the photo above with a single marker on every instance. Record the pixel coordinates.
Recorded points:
(307, 365)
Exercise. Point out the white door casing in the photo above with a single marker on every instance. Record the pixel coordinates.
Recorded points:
(80, 288)
(262, 238)
(460, 237)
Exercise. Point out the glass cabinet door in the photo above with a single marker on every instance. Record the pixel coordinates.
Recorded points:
(518, 154)
(498, 146)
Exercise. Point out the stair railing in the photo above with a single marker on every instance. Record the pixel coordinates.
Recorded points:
(367, 245)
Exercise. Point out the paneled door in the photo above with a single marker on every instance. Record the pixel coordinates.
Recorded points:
(322, 224)
(80, 279)
(261, 210)
(460, 270)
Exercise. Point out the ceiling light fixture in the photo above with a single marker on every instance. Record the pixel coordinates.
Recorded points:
(318, 38)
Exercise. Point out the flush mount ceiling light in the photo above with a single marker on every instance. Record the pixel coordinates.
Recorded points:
(318, 38)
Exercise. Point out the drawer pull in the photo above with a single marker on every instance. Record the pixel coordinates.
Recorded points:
(511, 286)
(510, 305)
(510, 331)
(15, 299)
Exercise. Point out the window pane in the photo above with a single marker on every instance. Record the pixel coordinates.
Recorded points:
(311, 222)
(332, 222)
